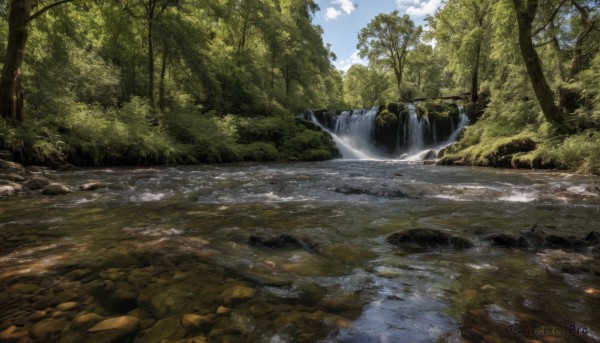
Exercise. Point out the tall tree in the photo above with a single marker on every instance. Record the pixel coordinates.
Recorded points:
(526, 11)
(387, 40)
(12, 95)
(462, 29)
(149, 12)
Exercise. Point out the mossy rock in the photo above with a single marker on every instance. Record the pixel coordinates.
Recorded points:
(438, 108)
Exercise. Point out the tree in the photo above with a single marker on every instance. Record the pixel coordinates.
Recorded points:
(462, 29)
(150, 13)
(526, 12)
(387, 40)
(365, 86)
(12, 95)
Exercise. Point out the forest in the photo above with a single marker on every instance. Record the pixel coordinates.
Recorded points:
(182, 81)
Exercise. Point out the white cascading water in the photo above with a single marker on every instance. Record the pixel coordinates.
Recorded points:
(414, 130)
(353, 131)
(348, 151)
(463, 121)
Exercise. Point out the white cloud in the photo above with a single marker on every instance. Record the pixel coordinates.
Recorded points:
(345, 64)
(341, 7)
(346, 5)
(332, 13)
(419, 8)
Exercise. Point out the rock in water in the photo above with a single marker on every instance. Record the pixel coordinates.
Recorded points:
(428, 238)
(237, 294)
(55, 189)
(282, 241)
(36, 183)
(11, 167)
(93, 186)
(161, 331)
(124, 323)
(381, 191)
(507, 240)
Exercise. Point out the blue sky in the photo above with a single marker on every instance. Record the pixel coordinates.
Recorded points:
(341, 21)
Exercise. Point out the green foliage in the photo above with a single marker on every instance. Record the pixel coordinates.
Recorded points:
(386, 41)
(386, 119)
(438, 108)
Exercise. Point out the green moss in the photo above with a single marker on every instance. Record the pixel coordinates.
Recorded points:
(386, 119)
(437, 108)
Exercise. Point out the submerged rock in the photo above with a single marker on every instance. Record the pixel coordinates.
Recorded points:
(539, 239)
(48, 327)
(194, 321)
(237, 294)
(382, 191)
(123, 323)
(507, 240)
(163, 329)
(592, 238)
(282, 241)
(563, 242)
(428, 238)
(55, 189)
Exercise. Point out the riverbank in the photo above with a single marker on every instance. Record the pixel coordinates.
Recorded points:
(133, 137)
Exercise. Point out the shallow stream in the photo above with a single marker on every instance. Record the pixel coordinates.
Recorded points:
(174, 244)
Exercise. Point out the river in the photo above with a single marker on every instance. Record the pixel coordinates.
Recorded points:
(171, 242)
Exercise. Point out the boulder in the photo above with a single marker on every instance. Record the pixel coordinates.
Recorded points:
(539, 239)
(93, 186)
(428, 238)
(11, 167)
(12, 177)
(535, 236)
(8, 190)
(592, 238)
(507, 240)
(36, 183)
(55, 189)
(563, 242)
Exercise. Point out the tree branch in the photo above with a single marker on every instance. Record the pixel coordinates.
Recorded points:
(46, 8)
(550, 20)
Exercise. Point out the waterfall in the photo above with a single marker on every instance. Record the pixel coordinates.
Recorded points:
(415, 129)
(414, 138)
(347, 150)
(463, 121)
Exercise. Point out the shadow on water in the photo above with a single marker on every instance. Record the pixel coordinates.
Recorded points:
(282, 253)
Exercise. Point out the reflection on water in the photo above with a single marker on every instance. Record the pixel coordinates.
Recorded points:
(168, 257)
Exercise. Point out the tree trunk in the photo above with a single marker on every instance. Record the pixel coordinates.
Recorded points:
(161, 82)
(475, 76)
(543, 93)
(11, 91)
(150, 64)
